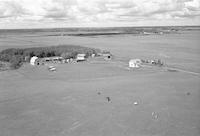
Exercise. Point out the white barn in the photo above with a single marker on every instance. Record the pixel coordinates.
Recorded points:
(135, 63)
(33, 60)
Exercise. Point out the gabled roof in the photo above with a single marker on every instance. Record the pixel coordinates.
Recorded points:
(135, 60)
(81, 55)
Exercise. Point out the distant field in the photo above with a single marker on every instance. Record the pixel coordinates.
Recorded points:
(180, 49)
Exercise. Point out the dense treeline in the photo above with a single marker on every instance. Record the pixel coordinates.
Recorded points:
(17, 56)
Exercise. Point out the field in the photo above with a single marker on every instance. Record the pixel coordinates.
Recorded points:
(73, 101)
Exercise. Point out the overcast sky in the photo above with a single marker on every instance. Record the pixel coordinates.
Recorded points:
(97, 13)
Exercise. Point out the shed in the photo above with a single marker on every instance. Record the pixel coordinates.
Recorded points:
(135, 63)
(33, 60)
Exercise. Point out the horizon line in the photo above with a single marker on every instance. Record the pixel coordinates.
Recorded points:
(98, 27)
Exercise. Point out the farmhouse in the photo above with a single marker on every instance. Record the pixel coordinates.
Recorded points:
(135, 63)
(80, 57)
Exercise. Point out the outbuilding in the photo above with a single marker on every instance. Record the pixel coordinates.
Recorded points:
(33, 60)
(135, 63)
(107, 56)
(80, 57)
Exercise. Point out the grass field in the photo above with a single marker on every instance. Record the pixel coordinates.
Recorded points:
(73, 100)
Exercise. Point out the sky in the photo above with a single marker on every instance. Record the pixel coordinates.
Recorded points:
(97, 13)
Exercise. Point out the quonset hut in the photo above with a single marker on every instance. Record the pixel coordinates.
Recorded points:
(33, 60)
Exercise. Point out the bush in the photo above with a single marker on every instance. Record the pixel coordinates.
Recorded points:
(67, 55)
(16, 61)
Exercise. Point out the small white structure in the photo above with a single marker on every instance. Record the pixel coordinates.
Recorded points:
(80, 57)
(107, 56)
(51, 68)
(33, 60)
(135, 63)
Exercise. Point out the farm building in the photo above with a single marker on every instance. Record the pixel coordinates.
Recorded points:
(107, 56)
(80, 57)
(135, 63)
(41, 61)
(33, 60)
(93, 55)
(55, 59)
